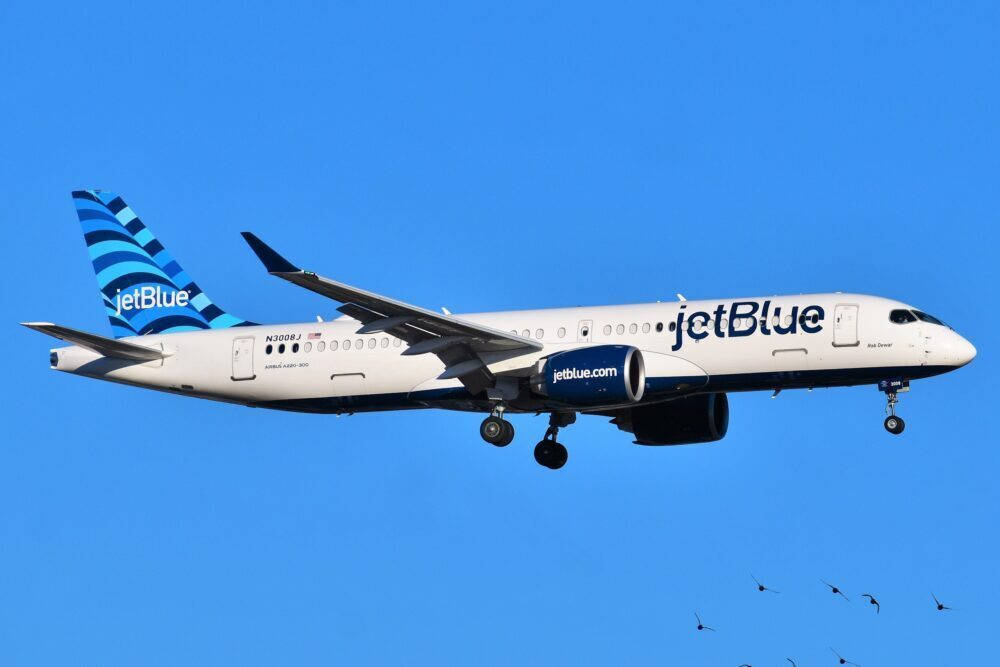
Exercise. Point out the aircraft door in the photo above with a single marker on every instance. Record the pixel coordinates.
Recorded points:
(584, 331)
(243, 359)
(845, 325)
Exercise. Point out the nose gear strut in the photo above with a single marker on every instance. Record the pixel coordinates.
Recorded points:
(891, 388)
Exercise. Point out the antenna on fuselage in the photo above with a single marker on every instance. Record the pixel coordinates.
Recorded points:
(680, 297)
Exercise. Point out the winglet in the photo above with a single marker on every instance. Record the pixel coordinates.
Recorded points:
(273, 262)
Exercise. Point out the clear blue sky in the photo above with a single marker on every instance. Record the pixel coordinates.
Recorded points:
(509, 156)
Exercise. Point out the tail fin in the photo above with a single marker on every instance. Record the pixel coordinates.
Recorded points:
(144, 289)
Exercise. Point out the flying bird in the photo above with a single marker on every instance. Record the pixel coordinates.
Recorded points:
(843, 660)
(761, 587)
(872, 600)
(940, 607)
(702, 626)
(836, 591)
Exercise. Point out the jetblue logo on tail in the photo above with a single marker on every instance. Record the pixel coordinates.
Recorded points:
(149, 297)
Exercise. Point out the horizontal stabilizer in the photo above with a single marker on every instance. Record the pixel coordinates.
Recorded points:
(108, 347)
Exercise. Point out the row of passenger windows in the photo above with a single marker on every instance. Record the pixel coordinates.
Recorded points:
(645, 327)
(634, 328)
(333, 345)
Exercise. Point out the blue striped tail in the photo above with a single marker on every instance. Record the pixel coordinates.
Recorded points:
(144, 289)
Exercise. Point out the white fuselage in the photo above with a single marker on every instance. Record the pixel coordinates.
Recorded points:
(802, 341)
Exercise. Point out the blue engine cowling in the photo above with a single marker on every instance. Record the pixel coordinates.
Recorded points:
(599, 375)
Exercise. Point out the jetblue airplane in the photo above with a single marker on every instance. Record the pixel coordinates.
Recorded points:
(659, 371)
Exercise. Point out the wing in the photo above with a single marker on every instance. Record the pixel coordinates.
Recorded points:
(458, 343)
(109, 347)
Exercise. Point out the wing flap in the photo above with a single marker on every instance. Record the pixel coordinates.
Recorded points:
(456, 342)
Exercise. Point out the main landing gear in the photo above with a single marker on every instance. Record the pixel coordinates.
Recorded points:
(892, 423)
(548, 452)
(496, 430)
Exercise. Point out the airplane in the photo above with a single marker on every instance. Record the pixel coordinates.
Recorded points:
(660, 371)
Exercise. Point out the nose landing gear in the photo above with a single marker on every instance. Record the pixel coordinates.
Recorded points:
(892, 423)
(496, 430)
(548, 452)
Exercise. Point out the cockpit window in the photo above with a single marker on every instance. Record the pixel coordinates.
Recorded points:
(924, 317)
(902, 316)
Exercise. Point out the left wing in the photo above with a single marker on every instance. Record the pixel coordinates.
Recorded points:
(456, 342)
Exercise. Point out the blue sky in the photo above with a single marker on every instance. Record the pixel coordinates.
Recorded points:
(491, 157)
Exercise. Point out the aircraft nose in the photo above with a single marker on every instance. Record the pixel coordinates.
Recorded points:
(964, 351)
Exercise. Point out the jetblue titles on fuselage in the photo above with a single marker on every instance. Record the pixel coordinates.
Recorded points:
(749, 312)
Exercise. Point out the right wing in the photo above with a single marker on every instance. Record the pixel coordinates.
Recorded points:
(458, 343)
(108, 347)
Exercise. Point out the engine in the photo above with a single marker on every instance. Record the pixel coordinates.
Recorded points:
(682, 421)
(589, 376)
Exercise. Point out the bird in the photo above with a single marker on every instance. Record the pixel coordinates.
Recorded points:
(836, 591)
(872, 600)
(761, 587)
(843, 660)
(702, 626)
(940, 607)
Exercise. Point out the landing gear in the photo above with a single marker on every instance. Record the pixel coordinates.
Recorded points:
(496, 430)
(548, 452)
(892, 423)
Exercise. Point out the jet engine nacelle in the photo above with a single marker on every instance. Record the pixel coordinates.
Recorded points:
(589, 376)
(682, 421)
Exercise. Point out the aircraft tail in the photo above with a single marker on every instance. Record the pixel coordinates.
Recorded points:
(145, 291)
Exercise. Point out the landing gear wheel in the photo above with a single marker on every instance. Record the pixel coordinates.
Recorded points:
(551, 454)
(508, 431)
(496, 431)
(894, 424)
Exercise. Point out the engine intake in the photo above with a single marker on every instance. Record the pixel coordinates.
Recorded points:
(682, 421)
(589, 376)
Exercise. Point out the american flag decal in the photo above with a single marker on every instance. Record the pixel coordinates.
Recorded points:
(314, 336)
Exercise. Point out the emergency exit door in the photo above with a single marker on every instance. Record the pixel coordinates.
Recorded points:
(243, 359)
(845, 325)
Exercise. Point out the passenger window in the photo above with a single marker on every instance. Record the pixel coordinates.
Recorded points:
(268, 349)
(526, 334)
(347, 344)
(539, 333)
(281, 349)
(673, 326)
(372, 343)
(307, 347)
(725, 322)
(607, 329)
(645, 327)
(659, 326)
(320, 346)
(632, 328)
(385, 343)
(396, 342)
(359, 344)
(334, 345)
(620, 329)
(295, 347)
(562, 332)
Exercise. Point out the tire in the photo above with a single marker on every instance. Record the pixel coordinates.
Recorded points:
(492, 430)
(508, 434)
(894, 424)
(551, 454)
(559, 456)
(543, 451)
